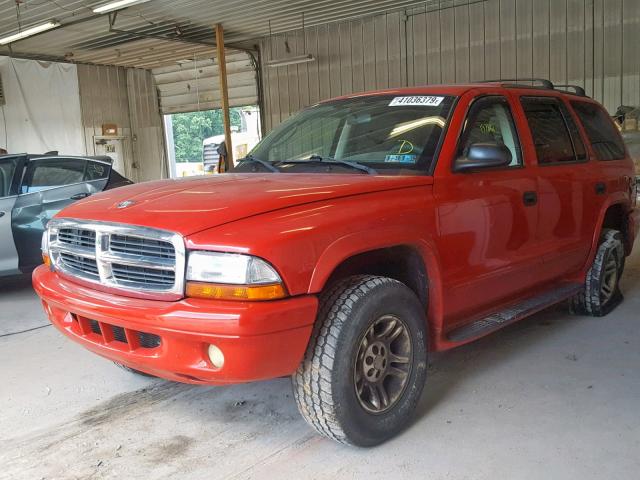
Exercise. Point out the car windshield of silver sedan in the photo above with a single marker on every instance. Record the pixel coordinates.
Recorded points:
(376, 134)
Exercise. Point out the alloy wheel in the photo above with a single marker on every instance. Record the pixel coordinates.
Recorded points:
(383, 364)
(609, 279)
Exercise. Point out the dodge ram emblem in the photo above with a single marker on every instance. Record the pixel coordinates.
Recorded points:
(125, 204)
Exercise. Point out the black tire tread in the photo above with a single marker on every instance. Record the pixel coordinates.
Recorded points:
(587, 302)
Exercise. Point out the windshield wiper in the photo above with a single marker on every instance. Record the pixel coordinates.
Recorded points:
(251, 159)
(333, 161)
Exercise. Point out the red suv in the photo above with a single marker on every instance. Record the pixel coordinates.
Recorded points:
(358, 236)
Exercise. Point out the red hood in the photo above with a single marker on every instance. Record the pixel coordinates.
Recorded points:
(194, 204)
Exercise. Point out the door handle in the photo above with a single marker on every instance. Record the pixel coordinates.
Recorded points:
(79, 196)
(2, 214)
(530, 199)
(601, 188)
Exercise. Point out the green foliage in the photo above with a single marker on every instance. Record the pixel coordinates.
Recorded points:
(190, 129)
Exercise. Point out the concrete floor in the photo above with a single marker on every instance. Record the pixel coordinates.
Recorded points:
(553, 397)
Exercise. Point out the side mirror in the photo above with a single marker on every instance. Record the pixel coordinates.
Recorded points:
(483, 155)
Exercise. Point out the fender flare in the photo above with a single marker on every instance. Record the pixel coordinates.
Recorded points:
(356, 243)
(618, 199)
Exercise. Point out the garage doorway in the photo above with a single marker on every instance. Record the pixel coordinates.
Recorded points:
(193, 138)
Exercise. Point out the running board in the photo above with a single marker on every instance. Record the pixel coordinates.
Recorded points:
(514, 313)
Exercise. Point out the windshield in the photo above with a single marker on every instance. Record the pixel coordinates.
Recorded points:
(390, 134)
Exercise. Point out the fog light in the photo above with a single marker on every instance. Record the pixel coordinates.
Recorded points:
(216, 356)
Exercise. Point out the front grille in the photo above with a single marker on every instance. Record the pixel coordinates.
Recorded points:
(119, 334)
(87, 266)
(141, 261)
(210, 157)
(141, 246)
(77, 236)
(127, 274)
(210, 153)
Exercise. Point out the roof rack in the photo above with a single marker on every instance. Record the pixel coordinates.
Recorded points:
(544, 83)
(577, 89)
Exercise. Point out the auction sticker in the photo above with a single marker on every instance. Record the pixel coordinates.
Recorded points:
(429, 101)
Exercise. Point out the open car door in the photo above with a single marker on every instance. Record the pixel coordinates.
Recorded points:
(49, 185)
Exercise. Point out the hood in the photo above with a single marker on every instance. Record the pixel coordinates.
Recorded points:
(187, 206)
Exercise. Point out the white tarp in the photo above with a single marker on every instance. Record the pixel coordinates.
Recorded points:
(42, 111)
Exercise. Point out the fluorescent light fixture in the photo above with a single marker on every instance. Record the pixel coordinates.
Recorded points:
(117, 5)
(28, 32)
(282, 62)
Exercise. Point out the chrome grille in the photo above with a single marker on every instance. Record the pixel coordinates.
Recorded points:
(126, 274)
(141, 246)
(142, 261)
(81, 264)
(77, 236)
(210, 157)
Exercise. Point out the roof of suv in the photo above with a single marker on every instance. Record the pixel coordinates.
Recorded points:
(544, 87)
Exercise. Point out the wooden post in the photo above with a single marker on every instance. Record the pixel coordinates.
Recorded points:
(224, 93)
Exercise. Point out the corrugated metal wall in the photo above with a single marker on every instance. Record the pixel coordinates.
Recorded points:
(593, 43)
(104, 99)
(128, 98)
(146, 126)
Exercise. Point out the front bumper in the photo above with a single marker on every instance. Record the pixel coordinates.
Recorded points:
(260, 340)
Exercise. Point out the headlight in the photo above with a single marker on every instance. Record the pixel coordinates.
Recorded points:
(232, 276)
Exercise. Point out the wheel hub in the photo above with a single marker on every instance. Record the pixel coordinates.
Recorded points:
(383, 364)
(375, 361)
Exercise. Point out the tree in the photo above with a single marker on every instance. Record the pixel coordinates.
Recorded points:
(190, 129)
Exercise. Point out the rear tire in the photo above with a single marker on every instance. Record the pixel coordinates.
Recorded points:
(365, 366)
(601, 292)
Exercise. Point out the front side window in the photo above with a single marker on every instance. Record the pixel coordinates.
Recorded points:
(555, 134)
(53, 172)
(7, 171)
(603, 136)
(393, 134)
(490, 122)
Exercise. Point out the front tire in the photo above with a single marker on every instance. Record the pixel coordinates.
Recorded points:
(365, 366)
(601, 292)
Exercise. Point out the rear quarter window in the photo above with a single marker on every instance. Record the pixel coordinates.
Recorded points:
(96, 171)
(605, 140)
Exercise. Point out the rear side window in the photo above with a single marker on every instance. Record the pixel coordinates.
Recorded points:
(554, 131)
(53, 172)
(605, 139)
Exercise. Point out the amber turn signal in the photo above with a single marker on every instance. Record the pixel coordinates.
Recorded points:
(235, 292)
(46, 260)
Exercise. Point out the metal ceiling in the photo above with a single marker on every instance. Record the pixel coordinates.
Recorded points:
(184, 27)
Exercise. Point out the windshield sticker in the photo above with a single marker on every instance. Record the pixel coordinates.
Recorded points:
(400, 159)
(429, 101)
